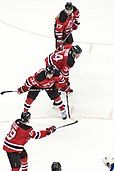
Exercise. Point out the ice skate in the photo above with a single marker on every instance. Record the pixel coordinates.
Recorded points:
(64, 115)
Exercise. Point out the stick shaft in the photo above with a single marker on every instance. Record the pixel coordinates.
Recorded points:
(67, 124)
(68, 108)
(3, 92)
(11, 91)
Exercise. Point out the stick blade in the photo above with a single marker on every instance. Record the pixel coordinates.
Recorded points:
(10, 91)
(2, 92)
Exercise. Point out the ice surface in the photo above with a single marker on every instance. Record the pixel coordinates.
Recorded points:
(26, 38)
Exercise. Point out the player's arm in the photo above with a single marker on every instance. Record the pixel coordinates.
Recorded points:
(28, 83)
(65, 72)
(76, 18)
(62, 84)
(42, 133)
(59, 80)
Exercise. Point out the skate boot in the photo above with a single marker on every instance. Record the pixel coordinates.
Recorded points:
(63, 114)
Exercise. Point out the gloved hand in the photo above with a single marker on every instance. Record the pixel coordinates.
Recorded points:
(19, 91)
(22, 89)
(66, 88)
(69, 89)
(75, 24)
(50, 130)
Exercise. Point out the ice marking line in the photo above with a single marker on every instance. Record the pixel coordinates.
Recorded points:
(42, 35)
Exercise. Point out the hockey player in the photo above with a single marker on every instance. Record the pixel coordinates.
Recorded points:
(109, 162)
(65, 23)
(18, 136)
(64, 60)
(48, 79)
(56, 166)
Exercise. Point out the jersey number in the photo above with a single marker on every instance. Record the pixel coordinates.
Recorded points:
(11, 134)
(59, 26)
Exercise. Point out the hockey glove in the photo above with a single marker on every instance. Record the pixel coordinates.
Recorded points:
(22, 89)
(50, 130)
(75, 24)
(19, 91)
(69, 89)
(66, 88)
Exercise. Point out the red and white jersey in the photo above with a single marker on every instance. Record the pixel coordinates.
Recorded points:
(19, 136)
(64, 23)
(40, 81)
(61, 60)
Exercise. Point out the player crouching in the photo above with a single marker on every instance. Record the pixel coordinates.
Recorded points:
(49, 79)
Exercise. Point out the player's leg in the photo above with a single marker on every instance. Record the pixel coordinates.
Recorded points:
(24, 160)
(14, 160)
(54, 95)
(30, 98)
(68, 40)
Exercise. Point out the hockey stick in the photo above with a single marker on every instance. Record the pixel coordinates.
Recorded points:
(67, 101)
(3, 92)
(67, 37)
(11, 91)
(67, 124)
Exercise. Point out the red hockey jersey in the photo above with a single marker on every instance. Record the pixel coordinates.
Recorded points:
(19, 136)
(40, 81)
(61, 60)
(64, 24)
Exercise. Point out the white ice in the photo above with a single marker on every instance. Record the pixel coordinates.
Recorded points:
(26, 38)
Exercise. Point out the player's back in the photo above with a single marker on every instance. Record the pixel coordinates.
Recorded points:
(17, 137)
(58, 58)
